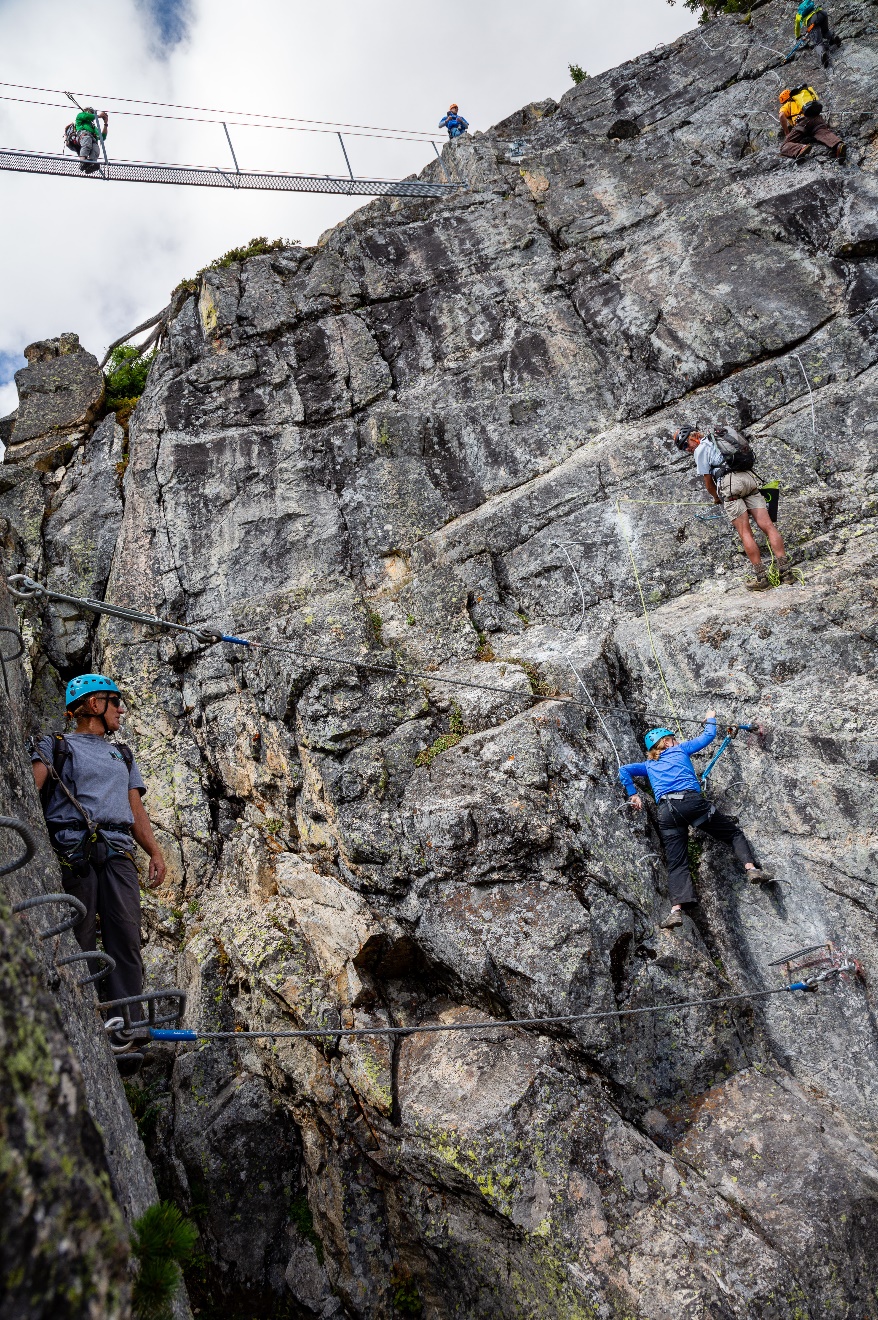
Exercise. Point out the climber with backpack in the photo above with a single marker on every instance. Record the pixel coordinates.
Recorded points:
(681, 805)
(725, 459)
(91, 792)
(84, 136)
(802, 124)
(812, 23)
(454, 122)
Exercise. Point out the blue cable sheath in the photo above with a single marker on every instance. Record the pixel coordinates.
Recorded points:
(239, 641)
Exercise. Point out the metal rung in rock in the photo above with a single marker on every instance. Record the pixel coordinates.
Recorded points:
(79, 912)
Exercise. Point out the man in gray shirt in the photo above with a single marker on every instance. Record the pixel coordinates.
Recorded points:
(92, 790)
(740, 496)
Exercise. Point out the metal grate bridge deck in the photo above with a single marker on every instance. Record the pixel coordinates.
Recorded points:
(34, 162)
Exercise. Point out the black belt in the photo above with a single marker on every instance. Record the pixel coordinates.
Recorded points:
(116, 826)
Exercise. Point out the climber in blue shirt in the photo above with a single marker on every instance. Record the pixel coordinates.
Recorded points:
(455, 123)
(681, 803)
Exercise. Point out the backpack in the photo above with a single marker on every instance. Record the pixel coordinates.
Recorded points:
(60, 754)
(737, 452)
(803, 101)
(71, 138)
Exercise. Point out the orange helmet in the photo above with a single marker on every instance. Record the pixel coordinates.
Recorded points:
(784, 96)
(453, 106)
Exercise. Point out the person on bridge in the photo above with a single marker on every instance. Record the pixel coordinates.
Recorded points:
(682, 804)
(89, 136)
(803, 124)
(724, 458)
(454, 122)
(94, 814)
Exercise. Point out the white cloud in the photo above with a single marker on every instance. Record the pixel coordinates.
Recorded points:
(97, 258)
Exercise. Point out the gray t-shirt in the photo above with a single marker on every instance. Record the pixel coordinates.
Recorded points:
(96, 774)
(708, 458)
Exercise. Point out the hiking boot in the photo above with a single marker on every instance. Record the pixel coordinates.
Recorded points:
(759, 875)
(785, 569)
(672, 920)
(840, 152)
(760, 582)
(804, 152)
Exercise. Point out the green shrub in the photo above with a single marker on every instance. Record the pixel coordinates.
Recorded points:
(577, 73)
(456, 731)
(406, 1298)
(126, 377)
(300, 1215)
(257, 247)
(162, 1240)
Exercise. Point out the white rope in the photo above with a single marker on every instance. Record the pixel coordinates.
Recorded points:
(591, 703)
(810, 396)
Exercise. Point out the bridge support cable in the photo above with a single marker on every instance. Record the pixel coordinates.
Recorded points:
(36, 162)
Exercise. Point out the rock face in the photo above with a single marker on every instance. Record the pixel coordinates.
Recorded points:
(439, 444)
(60, 390)
(74, 1169)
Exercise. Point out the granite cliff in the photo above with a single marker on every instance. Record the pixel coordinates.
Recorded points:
(440, 441)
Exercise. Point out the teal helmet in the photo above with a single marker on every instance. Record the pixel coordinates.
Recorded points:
(656, 735)
(87, 685)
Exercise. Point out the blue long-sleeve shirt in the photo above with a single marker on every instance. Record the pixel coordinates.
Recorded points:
(672, 771)
(456, 125)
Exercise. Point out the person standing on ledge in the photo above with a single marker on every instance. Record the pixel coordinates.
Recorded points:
(682, 804)
(94, 814)
(454, 122)
(724, 459)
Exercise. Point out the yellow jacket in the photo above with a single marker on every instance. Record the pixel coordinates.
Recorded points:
(792, 108)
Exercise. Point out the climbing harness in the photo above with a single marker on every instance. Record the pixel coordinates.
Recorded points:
(336, 1033)
(23, 830)
(731, 733)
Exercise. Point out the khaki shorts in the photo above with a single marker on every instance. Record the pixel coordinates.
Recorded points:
(740, 493)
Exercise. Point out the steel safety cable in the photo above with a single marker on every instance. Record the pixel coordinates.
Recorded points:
(26, 589)
(499, 1024)
(291, 122)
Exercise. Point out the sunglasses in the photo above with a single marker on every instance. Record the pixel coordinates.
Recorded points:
(113, 699)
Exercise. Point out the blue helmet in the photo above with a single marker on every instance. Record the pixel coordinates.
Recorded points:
(87, 685)
(656, 735)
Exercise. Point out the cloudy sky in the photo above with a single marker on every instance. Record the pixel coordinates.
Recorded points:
(98, 258)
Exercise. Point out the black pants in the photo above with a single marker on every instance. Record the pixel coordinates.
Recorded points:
(819, 32)
(109, 887)
(674, 818)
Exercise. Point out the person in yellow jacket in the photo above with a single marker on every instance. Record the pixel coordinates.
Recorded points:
(803, 124)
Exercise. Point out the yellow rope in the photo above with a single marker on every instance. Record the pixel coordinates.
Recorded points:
(648, 628)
